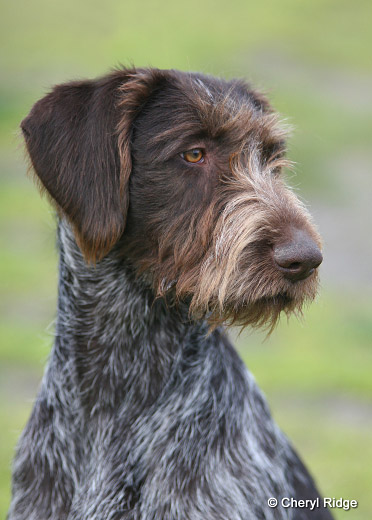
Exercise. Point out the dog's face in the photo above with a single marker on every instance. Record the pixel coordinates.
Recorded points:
(184, 173)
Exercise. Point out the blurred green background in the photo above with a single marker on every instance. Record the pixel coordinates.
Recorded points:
(314, 61)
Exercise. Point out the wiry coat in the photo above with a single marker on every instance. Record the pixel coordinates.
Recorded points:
(145, 411)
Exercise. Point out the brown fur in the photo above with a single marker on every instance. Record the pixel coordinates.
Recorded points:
(203, 233)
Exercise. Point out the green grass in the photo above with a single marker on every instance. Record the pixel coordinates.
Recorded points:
(314, 60)
(336, 451)
(328, 352)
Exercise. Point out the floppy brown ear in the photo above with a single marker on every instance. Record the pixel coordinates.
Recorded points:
(78, 139)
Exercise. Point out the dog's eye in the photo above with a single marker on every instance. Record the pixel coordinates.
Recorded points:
(195, 155)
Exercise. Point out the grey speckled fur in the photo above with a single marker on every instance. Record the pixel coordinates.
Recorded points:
(141, 415)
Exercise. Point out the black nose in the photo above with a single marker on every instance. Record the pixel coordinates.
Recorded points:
(297, 258)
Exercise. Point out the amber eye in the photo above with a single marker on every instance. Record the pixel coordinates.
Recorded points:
(194, 156)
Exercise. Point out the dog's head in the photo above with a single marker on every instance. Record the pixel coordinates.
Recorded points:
(184, 173)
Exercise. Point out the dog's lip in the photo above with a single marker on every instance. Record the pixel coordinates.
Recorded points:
(302, 277)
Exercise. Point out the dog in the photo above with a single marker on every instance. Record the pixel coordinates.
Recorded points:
(174, 220)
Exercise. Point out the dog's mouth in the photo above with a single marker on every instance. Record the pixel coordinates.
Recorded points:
(254, 297)
(262, 312)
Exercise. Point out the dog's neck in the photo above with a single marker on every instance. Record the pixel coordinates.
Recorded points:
(122, 341)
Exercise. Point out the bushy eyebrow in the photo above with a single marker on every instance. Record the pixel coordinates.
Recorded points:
(176, 139)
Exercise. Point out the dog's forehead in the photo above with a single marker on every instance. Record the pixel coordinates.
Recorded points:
(211, 92)
(190, 109)
(190, 103)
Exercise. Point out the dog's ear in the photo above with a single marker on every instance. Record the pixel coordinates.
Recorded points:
(78, 138)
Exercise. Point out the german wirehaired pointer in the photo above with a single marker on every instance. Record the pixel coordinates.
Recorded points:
(174, 219)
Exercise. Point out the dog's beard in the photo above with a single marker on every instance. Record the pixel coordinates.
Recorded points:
(236, 282)
(261, 313)
(250, 296)
(220, 260)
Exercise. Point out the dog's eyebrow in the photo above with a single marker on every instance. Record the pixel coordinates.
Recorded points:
(166, 148)
(177, 138)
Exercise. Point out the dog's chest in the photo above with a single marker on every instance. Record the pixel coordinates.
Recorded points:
(197, 449)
